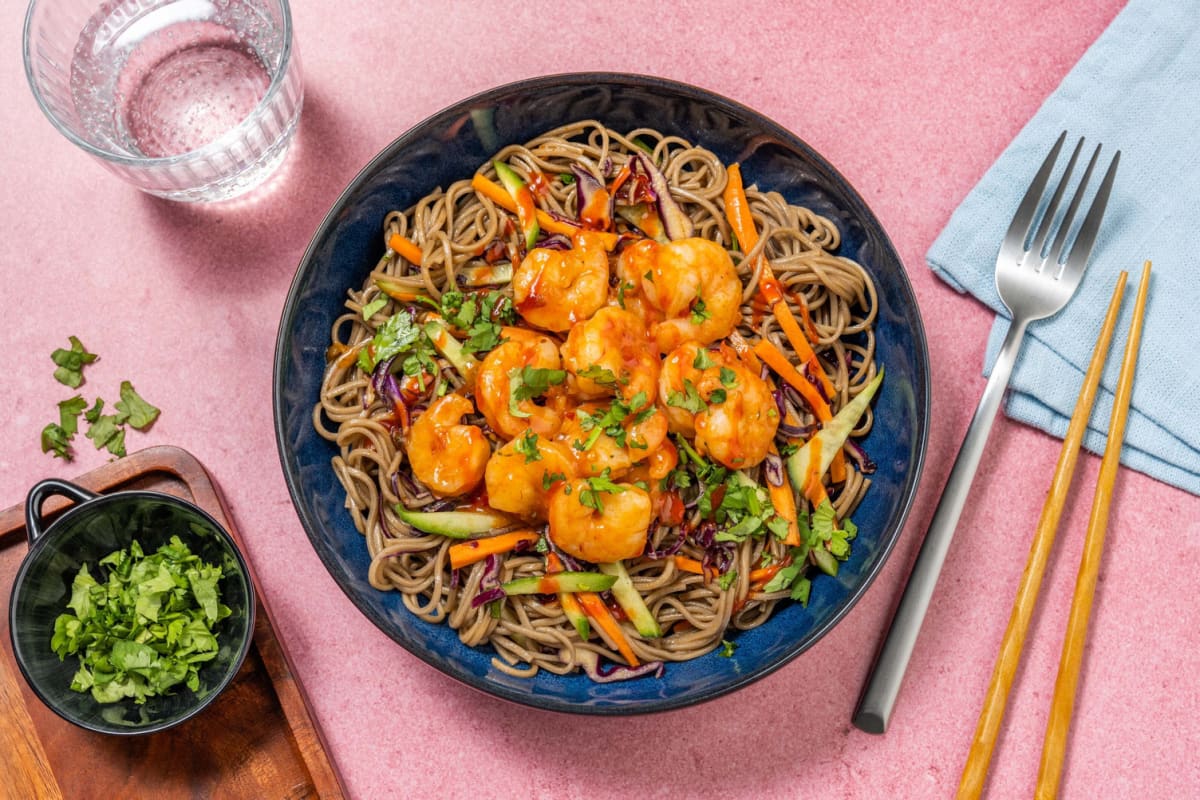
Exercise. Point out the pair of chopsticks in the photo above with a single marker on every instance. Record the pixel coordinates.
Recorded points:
(1063, 704)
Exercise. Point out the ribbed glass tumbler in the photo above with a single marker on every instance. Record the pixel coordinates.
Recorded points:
(192, 100)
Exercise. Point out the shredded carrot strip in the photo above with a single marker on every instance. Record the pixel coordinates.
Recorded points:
(691, 565)
(785, 506)
(500, 197)
(469, 552)
(737, 210)
(350, 356)
(595, 608)
(407, 249)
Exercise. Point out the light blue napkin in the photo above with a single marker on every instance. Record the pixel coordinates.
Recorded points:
(1137, 89)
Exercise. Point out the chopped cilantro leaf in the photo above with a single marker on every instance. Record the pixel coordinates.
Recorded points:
(716, 397)
(699, 312)
(534, 382)
(527, 445)
(689, 399)
(728, 378)
(55, 439)
(68, 414)
(726, 580)
(597, 485)
(133, 409)
(703, 360)
(70, 363)
(599, 374)
(551, 478)
(727, 648)
(399, 334)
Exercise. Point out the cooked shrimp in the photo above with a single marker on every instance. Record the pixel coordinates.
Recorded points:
(611, 354)
(494, 379)
(635, 437)
(682, 366)
(554, 289)
(693, 282)
(446, 455)
(739, 421)
(615, 531)
(521, 474)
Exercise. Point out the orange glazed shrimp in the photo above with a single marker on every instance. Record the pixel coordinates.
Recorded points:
(494, 387)
(600, 524)
(693, 283)
(521, 474)
(554, 289)
(611, 438)
(739, 420)
(611, 354)
(446, 455)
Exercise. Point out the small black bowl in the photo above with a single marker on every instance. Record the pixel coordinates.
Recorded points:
(94, 527)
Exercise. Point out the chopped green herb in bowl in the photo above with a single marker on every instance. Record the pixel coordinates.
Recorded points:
(147, 628)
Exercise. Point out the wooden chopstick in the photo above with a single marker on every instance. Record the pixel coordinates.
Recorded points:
(992, 714)
(1054, 744)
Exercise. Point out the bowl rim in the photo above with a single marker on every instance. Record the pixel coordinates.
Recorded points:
(290, 464)
(48, 535)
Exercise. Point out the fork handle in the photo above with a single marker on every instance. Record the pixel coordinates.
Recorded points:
(883, 683)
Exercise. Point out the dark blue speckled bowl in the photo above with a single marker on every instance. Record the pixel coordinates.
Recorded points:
(449, 146)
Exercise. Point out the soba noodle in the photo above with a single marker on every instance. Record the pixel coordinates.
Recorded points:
(454, 228)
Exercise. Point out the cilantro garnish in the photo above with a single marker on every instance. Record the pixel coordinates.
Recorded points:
(689, 399)
(699, 312)
(727, 579)
(598, 374)
(71, 362)
(551, 478)
(147, 628)
(716, 396)
(727, 648)
(481, 314)
(105, 431)
(398, 334)
(133, 409)
(597, 485)
(526, 445)
(728, 378)
(703, 360)
(527, 383)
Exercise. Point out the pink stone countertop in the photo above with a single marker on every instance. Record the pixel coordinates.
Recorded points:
(912, 101)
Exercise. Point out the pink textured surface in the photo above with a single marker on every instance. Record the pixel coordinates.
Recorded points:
(912, 101)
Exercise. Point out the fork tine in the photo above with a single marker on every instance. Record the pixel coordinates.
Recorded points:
(1047, 223)
(1018, 229)
(1086, 238)
(1055, 254)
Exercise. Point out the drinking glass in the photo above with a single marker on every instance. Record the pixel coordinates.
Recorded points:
(192, 100)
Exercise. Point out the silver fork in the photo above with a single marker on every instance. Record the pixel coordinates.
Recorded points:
(1034, 281)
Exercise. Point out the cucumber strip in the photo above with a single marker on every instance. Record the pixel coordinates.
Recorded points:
(453, 524)
(560, 582)
(519, 192)
(490, 275)
(824, 445)
(451, 348)
(631, 600)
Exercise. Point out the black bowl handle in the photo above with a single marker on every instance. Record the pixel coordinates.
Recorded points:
(40, 493)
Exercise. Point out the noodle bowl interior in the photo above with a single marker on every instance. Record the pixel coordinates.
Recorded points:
(597, 405)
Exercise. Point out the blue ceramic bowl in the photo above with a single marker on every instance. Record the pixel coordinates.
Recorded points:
(451, 145)
(89, 530)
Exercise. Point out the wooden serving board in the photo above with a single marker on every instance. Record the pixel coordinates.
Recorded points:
(258, 740)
